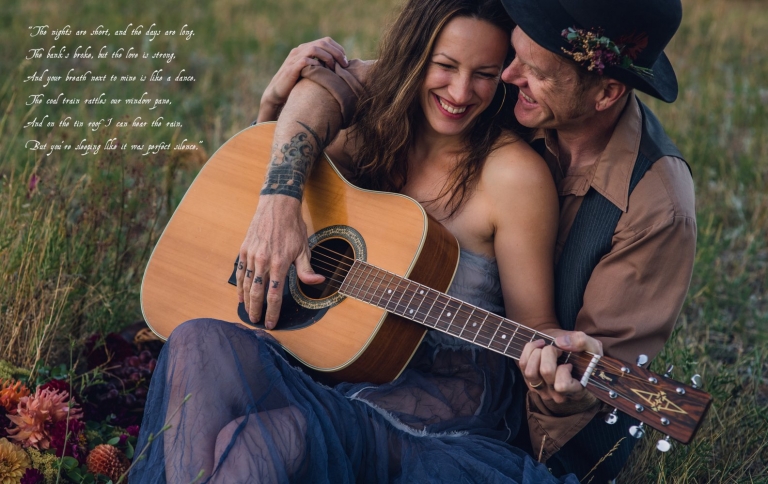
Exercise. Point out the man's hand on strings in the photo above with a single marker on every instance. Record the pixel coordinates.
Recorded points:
(560, 392)
(276, 238)
(325, 51)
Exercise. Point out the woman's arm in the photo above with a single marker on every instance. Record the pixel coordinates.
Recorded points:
(525, 214)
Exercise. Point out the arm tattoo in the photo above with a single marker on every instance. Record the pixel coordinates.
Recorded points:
(287, 176)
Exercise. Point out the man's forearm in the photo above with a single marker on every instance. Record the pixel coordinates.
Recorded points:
(310, 120)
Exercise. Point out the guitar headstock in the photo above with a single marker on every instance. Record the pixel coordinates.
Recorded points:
(668, 406)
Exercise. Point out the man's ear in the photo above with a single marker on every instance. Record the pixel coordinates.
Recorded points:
(611, 91)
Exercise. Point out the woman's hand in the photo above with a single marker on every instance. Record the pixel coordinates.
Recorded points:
(559, 391)
(325, 51)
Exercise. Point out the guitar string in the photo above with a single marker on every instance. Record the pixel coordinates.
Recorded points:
(437, 319)
(592, 379)
(469, 313)
(504, 323)
(409, 292)
(488, 333)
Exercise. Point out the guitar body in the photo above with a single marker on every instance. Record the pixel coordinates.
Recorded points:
(190, 271)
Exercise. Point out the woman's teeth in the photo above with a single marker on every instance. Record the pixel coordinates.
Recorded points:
(450, 109)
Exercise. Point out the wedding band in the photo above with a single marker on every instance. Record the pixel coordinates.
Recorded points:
(536, 385)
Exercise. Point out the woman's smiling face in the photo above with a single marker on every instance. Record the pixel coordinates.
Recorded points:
(462, 74)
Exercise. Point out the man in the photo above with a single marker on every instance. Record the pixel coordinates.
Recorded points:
(627, 231)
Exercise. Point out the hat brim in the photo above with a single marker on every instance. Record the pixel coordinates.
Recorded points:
(543, 20)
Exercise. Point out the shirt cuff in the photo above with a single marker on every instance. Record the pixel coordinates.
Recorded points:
(550, 432)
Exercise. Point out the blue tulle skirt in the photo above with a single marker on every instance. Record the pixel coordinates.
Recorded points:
(227, 405)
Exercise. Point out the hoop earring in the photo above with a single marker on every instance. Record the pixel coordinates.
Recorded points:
(503, 85)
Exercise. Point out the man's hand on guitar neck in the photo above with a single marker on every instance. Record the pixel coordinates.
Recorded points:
(277, 236)
(559, 391)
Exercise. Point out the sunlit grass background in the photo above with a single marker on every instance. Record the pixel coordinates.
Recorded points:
(76, 231)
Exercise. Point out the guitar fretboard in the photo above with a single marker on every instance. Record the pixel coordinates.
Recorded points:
(437, 310)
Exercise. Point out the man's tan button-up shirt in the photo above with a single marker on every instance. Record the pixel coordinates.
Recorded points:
(636, 291)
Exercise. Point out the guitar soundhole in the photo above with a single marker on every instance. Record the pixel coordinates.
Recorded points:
(332, 259)
(334, 249)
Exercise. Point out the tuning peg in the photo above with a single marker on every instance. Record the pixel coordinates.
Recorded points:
(642, 360)
(637, 431)
(664, 444)
(668, 373)
(612, 417)
(696, 381)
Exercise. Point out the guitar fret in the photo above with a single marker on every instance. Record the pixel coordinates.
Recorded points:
(386, 290)
(455, 312)
(408, 308)
(354, 272)
(358, 286)
(365, 283)
(421, 301)
(401, 295)
(510, 341)
(464, 328)
(512, 338)
(378, 285)
(392, 292)
(494, 335)
(441, 312)
(430, 310)
(481, 327)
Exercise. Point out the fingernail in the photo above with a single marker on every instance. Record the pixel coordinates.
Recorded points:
(346, 62)
(566, 340)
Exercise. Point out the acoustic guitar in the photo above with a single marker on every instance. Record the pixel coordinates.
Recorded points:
(387, 265)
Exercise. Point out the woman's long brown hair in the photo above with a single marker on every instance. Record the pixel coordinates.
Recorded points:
(387, 115)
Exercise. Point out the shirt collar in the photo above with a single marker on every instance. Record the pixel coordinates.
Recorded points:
(611, 173)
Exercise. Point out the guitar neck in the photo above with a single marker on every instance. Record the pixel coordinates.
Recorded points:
(438, 310)
(662, 403)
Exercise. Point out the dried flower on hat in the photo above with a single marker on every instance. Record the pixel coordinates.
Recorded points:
(10, 394)
(13, 463)
(595, 52)
(37, 413)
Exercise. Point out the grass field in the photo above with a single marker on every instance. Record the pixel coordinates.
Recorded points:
(77, 230)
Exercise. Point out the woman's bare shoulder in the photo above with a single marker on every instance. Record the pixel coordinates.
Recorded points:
(514, 164)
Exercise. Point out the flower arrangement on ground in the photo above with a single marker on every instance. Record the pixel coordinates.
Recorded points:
(76, 424)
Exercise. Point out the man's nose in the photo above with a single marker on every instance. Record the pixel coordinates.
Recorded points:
(512, 72)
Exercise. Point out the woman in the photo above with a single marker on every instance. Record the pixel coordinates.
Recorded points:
(432, 127)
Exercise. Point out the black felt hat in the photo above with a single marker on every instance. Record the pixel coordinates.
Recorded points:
(622, 39)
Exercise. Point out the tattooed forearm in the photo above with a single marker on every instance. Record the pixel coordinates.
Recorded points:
(286, 176)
